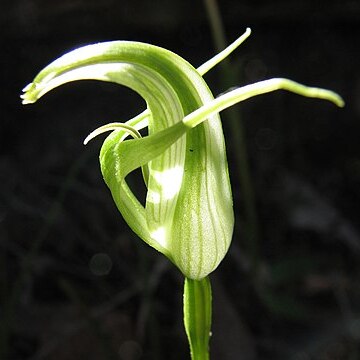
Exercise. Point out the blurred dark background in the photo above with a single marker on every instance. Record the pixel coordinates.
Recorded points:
(75, 283)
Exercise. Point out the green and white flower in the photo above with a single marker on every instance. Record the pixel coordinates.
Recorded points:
(188, 215)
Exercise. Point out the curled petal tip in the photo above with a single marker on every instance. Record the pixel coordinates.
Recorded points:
(111, 127)
(26, 97)
(27, 87)
(340, 102)
(26, 100)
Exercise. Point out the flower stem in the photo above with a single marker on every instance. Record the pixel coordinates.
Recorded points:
(197, 316)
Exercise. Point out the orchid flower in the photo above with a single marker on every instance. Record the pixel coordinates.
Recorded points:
(188, 214)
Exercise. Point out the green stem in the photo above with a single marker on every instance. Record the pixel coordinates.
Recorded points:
(216, 24)
(197, 316)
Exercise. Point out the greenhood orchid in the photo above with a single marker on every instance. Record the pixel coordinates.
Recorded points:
(188, 215)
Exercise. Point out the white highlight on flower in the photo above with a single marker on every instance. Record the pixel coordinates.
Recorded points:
(159, 235)
(153, 196)
(169, 181)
